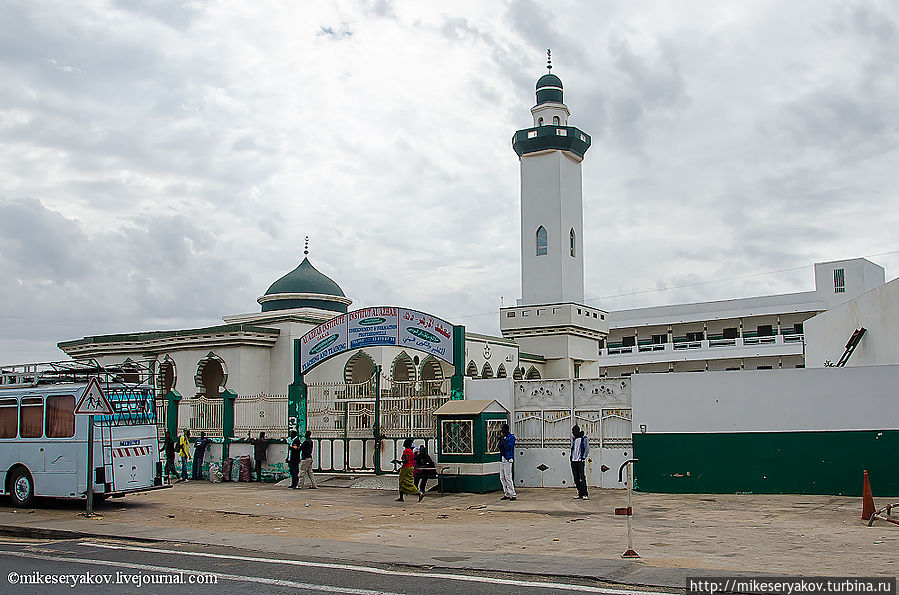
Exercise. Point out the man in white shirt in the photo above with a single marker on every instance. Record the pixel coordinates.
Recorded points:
(580, 446)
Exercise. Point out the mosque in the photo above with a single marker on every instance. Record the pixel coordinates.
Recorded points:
(550, 334)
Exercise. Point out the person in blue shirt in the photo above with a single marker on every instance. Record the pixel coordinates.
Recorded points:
(507, 457)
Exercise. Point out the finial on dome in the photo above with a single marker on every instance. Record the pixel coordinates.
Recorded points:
(549, 61)
(306, 249)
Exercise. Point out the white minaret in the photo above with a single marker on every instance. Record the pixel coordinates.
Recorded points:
(550, 318)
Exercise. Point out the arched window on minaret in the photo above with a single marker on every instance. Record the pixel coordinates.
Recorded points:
(571, 241)
(542, 241)
(556, 121)
(539, 121)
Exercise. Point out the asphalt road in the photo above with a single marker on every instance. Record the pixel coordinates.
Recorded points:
(104, 566)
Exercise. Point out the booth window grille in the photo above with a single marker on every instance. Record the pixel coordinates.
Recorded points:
(494, 435)
(457, 437)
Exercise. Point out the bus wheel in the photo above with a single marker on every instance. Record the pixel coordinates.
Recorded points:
(21, 487)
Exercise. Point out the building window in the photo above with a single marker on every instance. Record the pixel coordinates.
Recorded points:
(525, 312)
(561, 132)
(556, 121)
(532, 134)
(839, 281)
(694, 336)
(628, 341)
(659, 339)
(571, 241)
(457, 437)
(9, 418)
(540, 122)
(542, 241)
(763, 367)
(765, 330)
(730, 333)
(510, 314)
(797, 328)
(594, 315)
(540, 311)
(577, 370)
(494, 434)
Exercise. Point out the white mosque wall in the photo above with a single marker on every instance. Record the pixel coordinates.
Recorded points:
(499, 389)
(877, 310)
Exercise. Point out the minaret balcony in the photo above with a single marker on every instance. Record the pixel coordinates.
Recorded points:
(543, 138)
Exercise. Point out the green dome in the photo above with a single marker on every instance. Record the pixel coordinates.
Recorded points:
(319, 291)
(549, 80)
(549, 89)
(305, 279)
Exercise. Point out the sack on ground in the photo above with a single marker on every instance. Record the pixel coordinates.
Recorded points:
(215, 473)
(227, 466)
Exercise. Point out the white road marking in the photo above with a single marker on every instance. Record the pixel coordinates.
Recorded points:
(221, 575)
(386, 571)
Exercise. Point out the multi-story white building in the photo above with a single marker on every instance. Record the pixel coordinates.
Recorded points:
(755, 333)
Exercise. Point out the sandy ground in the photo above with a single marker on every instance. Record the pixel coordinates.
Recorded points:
(784, 534)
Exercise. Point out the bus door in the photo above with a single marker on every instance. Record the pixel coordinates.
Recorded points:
(61, 448)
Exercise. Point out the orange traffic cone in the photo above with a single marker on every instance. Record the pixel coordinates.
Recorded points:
(867, 500)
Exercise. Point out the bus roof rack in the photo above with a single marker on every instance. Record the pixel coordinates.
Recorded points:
(128, 373)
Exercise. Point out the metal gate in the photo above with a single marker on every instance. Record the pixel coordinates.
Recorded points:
(342, 418)
(545, 411)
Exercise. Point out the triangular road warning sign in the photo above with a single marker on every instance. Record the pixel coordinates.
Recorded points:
(93, 401)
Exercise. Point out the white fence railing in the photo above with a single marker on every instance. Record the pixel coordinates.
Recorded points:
(260, 413)
(205, 416)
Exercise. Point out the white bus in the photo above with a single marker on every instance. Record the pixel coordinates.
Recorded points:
(43, 444)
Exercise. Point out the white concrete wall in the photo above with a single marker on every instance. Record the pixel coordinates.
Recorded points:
(860, 275)
(877, 310)
(862, 398)
(495, 388)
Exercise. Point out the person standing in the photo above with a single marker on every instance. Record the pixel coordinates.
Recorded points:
(293, 458)
(306, 462)
(580, 446)
(407, 483)
(199, 452)
(168, 447)
(260, 446)
(425, 468)
(184, 452)
(506, 459)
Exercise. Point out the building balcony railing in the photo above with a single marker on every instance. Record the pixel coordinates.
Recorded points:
(713, 342)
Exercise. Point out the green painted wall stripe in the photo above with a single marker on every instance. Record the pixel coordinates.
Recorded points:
(768, 462)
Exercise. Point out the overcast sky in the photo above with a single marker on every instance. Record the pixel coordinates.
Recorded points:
(162, 161)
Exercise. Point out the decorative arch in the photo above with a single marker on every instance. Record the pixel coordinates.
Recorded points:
(533, 373)
(501, 371)
(487, 371)
(359, 368)
(472, 370)
(212, 375)
(168, 375)
(542, 241)
(130, 372)
(518, 374)
(556, 121)
(431, 370)
(572, 241)
(403, 368)
(540, 121)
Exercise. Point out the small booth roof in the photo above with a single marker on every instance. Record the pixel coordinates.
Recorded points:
(472, 407)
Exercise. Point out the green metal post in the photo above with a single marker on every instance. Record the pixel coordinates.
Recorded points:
(296, 395)
(457, 382)
(376, 427)
(171, 415)
(228, 397)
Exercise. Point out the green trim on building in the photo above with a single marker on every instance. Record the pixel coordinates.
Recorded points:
(829, 462)
(289, 304)
(475, 484)
(157, 335)
(530, 357)
(477, 337)
(548, 138)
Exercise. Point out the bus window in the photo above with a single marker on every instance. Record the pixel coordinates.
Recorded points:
(9, 418)
(32, 417)
(60, 422)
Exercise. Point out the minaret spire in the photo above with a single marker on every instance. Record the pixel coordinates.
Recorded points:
(306, 249)
(549, 61)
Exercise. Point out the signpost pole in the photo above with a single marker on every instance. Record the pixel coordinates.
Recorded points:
(90, 465)
(377, 425)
